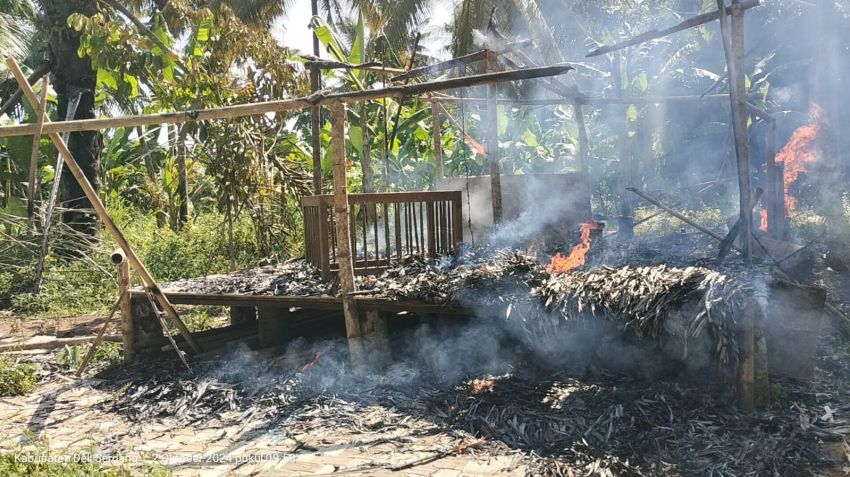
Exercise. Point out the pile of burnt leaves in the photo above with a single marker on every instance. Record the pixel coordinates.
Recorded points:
(475, 278)
(618, 426)
(299, 278)
(295, 277)
(161, 388)
(243, 383)
(654, 302)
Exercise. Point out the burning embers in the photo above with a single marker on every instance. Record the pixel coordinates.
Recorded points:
(799, 151)
(565, 264)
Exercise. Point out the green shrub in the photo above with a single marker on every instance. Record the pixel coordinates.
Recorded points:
(201, 247)
(71, 357)
(16, 378)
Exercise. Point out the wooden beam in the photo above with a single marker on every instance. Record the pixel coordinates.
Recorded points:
(653, 34)
(344, 254)
(460, 61)
(101, 212)
(339, 65)
(442, 66)
(679, 216)
(493, 142)
(277, 106)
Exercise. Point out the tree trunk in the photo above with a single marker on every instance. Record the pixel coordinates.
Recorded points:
(71, 75)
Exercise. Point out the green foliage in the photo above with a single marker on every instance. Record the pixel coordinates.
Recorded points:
(204, 318)
(16, 379)
(71, 357)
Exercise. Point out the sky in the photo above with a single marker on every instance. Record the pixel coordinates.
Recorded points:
(292, 29)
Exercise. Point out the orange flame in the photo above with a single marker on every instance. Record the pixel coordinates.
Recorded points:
(763, 224)
(797, 153)
(562, 264)
(309, 366)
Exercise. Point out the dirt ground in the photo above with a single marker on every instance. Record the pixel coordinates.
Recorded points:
(74, 417)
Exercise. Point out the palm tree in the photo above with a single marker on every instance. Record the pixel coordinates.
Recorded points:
(72, 76)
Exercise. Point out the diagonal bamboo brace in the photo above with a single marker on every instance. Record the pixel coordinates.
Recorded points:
(102, 214)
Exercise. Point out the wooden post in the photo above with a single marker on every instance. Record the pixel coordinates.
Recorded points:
(376, 338)
(127, 326)
(343, 256)
(100, 209)
(493, 140)
(273, 325)
(777, 221)
(437, 133)
(761, 397)
(733, 44)
(242, 314)
(747, 343)
(40, 111)
(457, 223)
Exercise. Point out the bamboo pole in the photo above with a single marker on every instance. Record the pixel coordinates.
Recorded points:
(100, 209)
(580, 99)
(477, 146)
(679, 216)
(277, 106)
(493, 142)
(36, 75)
(35, 153)
(344, 255)
(462, 60)
(99, 338)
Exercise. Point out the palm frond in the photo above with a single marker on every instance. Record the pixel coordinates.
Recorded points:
(258, 12)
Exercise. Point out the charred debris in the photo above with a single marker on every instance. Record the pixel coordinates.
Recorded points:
(608, 370)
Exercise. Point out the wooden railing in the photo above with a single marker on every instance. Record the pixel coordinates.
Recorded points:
(385, 227)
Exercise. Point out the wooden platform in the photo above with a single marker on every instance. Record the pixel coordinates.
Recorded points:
(276, 318)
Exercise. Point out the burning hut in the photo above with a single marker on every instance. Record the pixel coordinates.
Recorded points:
(526, 271)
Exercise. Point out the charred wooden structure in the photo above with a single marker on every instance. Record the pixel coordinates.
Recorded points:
(348, 236)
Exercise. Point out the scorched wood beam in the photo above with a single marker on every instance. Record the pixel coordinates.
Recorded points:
(654, 34)
(278, 106)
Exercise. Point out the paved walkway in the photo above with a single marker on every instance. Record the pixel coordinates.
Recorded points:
(64, 415)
